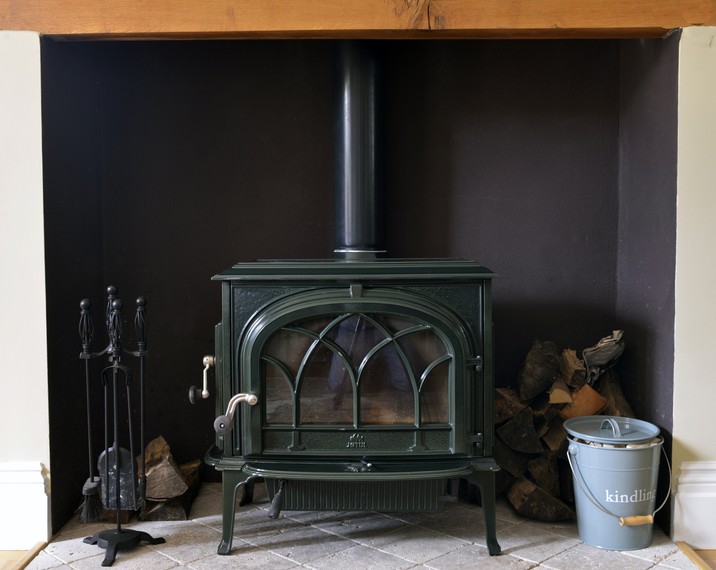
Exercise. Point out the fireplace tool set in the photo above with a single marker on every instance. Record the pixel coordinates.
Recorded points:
(115, 481)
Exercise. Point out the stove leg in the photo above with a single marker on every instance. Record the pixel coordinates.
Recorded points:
(231, 480)
(485, 480)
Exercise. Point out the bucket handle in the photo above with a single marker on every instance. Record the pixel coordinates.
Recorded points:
(614, 425)
(623, 521)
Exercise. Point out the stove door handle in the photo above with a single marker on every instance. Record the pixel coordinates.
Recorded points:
(223, 424)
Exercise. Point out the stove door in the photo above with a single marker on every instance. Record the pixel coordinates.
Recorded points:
(353, 372)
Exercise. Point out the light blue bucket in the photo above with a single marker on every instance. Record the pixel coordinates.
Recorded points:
(615, 468)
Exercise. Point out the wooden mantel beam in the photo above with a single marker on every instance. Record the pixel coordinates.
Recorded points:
(391, 19)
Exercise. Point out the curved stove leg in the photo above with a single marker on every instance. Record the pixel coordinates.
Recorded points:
(231, 480)
(485, 480)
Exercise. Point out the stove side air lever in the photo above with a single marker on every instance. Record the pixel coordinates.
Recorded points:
(194, 392)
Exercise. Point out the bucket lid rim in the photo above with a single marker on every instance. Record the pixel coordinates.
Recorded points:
(592, 428)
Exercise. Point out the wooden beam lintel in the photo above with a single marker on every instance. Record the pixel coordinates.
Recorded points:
(379, 19)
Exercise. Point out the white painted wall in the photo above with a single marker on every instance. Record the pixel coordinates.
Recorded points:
(694, 448)
(24, 416)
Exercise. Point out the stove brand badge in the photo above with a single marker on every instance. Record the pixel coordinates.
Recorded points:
(356, 441)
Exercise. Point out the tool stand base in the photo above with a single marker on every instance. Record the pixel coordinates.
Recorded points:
(114, 540)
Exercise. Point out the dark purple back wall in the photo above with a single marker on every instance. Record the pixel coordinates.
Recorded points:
(647, 225)
(506, 153)
(167, 162)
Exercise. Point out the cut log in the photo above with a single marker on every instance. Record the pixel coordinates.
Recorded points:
(508, 459)
(164, 478)
(177, 508)
(543, 413)
(610, 389)
(544, 472)
(155, 451)
(519, 433)
(164, 481)
(191, 471)
(560, 393)
(572, 368)
(532, 501)
(556, 437)
(585, 402)
(540, 369)
(507, 404)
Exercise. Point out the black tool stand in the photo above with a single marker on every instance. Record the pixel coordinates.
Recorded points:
(119, 538)
(121, 488)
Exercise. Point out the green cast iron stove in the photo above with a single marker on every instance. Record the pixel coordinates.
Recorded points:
(354, 385)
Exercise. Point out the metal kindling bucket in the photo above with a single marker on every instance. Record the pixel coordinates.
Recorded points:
(615, 468)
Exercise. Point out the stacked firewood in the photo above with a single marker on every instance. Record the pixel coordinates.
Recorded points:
(170, 487)
(531, 444)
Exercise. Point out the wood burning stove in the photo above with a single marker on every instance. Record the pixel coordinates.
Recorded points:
(359, 382)
(363, 385)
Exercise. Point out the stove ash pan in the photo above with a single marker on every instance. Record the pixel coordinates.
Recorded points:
(362, 385)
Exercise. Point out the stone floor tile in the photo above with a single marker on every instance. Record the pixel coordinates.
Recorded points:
(313, 517)
(188, 542)
(246, 557)
(359, 526)
(252, 523)
(678, 561)
(534, 545)
(506, 512)
(661, 548)
(473, 556)
(301, 545)
(415, 544)
(568, 528)
(43, 561)
(589, 557)
(359, 556)
(464, 524)
(205, 504)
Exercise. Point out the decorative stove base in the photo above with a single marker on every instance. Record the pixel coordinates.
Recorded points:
(389, 486)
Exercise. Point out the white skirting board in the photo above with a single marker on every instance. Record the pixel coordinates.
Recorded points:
(694, 505)
(24, 504)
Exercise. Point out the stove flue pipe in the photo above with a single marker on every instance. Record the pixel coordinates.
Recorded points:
(359, 152)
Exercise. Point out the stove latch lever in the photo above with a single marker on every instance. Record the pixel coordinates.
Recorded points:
(194, 392)
(222, 424)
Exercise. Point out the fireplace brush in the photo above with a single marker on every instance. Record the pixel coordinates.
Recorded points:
(92, 504)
